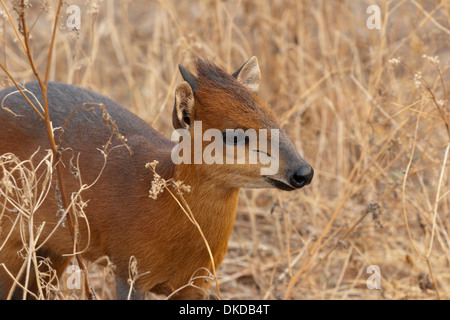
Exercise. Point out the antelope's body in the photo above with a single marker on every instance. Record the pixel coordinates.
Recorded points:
(123, 220)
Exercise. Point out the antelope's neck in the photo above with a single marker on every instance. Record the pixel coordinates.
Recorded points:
(213, 205)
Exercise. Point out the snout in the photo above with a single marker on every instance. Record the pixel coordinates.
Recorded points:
(301, 177)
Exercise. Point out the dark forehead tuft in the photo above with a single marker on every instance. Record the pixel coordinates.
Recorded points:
(210, 74)
(213, 80)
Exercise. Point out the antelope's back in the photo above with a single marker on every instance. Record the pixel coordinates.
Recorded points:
(22, 131)
(115, 200)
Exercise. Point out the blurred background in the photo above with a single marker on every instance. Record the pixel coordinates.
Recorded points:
(367, 108)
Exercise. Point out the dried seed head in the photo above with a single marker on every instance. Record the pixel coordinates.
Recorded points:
(395, 61)
(434, 60)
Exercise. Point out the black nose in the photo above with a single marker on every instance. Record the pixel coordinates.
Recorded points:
(302, 176)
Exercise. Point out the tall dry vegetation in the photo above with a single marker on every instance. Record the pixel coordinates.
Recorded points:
(368, 109)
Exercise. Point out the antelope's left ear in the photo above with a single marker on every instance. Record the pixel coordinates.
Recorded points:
(183, 109)
(249, 74)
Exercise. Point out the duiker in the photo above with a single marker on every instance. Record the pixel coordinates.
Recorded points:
(123, 221)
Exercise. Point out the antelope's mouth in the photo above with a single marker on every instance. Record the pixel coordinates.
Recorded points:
(279, 184)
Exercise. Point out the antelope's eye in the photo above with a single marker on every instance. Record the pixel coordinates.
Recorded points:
(232, 137)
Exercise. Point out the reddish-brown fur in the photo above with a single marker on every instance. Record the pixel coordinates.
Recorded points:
(123, 220)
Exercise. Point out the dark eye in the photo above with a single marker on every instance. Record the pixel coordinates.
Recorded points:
(229, 138)
(232, 137)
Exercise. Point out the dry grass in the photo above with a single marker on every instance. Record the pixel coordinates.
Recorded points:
(375, 131)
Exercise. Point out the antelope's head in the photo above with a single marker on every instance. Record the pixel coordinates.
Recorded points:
(226, 126)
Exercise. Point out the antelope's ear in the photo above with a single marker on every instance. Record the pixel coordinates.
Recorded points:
(183, 107)
(188, 77)
(249, 74)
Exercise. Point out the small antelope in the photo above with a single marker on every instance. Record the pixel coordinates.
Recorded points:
(123, 220)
